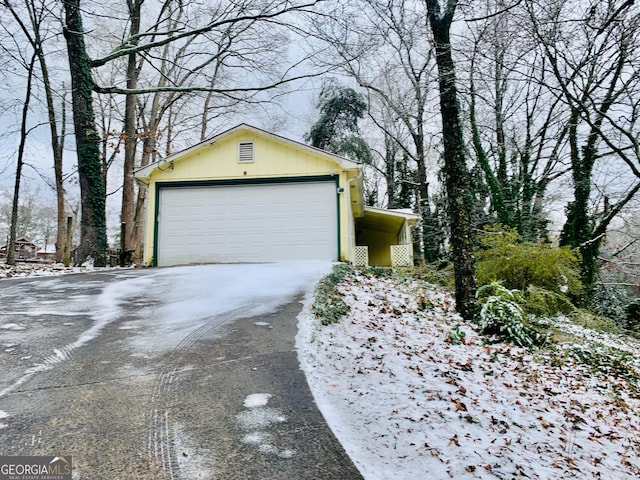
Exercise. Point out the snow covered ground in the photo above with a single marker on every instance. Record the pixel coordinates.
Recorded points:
(412, 391)
(36, 269)
(417, 393)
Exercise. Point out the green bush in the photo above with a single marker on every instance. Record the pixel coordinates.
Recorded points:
(328, 305)
(502, 315)
(541, 302)
(380, 272)
(612, 300)
(518, 265)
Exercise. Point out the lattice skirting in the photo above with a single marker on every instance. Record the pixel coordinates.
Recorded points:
(361, 256)
(400, 255)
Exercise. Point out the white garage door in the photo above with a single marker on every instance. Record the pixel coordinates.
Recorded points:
(247, 223)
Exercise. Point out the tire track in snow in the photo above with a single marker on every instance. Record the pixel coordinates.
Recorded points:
(161, 441)
(106, 309)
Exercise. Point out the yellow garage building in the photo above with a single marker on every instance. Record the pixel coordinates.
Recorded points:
(247, 195)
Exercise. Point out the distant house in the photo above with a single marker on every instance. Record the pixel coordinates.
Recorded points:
(25, 249)
(48, 252)
(248, 195)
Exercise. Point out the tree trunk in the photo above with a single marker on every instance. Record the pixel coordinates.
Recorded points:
(577, 231)
(61, 222)
(57, 145)
(127, 213)
(455, 169)
(11, 253)
(93, 231)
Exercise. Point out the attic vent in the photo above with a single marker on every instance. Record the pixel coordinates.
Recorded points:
(245, 152)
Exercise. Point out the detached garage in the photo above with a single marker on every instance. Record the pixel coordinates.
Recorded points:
(250, 196)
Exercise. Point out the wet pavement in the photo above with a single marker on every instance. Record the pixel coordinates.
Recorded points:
(152, 374)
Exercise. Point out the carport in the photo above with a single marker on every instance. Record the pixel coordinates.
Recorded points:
(384, 237)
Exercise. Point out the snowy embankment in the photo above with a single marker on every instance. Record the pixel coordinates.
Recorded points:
(37, 269)
(412, 391)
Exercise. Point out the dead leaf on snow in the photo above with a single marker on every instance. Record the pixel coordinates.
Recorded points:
(460, 407)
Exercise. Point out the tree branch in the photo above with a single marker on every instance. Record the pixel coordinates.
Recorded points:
(171, 36)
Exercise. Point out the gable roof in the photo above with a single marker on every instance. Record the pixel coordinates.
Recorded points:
(345, 163)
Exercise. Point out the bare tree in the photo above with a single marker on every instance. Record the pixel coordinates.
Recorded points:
(33, 18)
(24, 132)
(593, 53)
(514, 121)
(385, 48)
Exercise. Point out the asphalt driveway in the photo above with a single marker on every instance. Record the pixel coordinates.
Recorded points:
(178, 373)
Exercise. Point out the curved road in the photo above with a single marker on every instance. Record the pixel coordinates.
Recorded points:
(178, 373)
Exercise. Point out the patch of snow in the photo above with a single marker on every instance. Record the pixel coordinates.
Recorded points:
(286, 453)
(194, 461)
(259, 418)
(13, 327)
(257, 438)
(257, 400)
(28, 270)
(128, 327)
(88, 264)
(256, 420)
(42, 313)
(139, 355)
(404, 399)
(188, 300)
(106, 309)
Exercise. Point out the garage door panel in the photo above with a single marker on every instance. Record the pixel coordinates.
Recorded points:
(247, 223)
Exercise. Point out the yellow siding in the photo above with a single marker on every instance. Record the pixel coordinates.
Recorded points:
(379, 245)
(220, 161)
(274, 158)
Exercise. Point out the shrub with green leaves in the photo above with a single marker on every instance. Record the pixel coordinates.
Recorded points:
(329, 305)
(502, 315)
(440, 273)
(541, 302)
(523, 265)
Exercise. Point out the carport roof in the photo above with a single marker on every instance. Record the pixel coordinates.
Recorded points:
(386, 220)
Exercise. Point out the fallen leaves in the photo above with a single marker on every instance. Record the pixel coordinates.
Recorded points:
(459, 406)
(508, 412)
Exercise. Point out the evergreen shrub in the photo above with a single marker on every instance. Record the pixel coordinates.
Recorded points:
(329, 305)
(549, 276)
